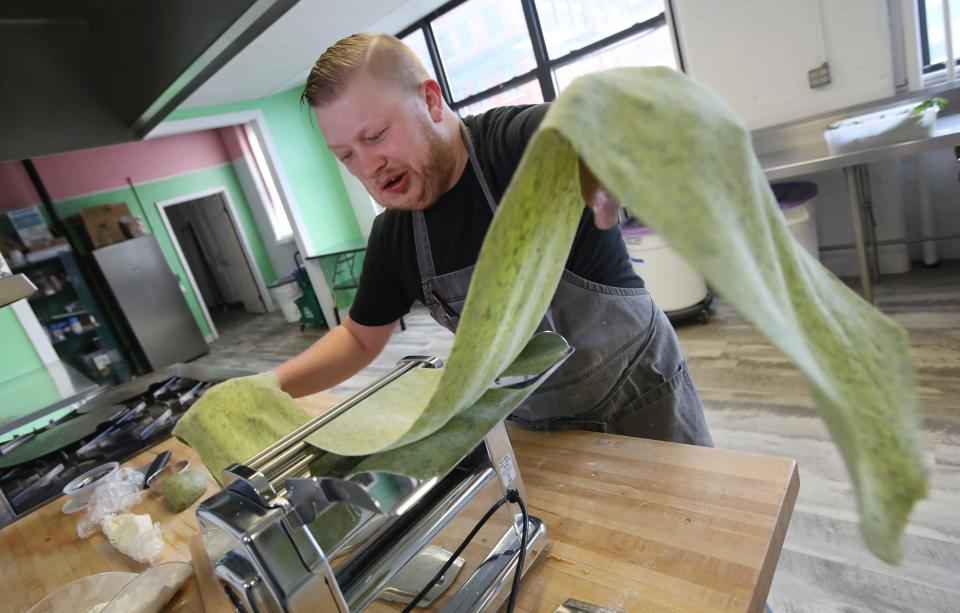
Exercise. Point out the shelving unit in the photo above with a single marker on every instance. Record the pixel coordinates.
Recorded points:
(73, 320)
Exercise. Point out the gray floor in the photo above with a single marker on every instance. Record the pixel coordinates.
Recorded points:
(756, 401)
(264, 342)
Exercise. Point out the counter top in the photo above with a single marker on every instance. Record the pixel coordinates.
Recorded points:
(633, 524)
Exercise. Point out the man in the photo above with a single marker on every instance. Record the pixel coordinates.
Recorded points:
(440, 179)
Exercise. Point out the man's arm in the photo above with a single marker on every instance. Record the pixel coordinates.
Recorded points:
(336, 357)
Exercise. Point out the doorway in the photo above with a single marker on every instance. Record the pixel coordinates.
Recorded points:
(216, 255)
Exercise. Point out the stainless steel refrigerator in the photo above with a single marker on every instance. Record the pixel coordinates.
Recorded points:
(148, 297)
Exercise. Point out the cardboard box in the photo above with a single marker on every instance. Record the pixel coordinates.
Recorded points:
(101, 224)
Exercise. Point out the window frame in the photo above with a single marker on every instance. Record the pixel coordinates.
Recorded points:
(545, 65)
(928, 69)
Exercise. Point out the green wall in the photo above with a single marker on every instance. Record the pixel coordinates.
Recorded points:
(26, 394)
(18, 355)
(175, 187)
(310, 168)
(27, 387)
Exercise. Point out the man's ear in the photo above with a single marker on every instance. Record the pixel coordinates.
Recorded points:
(431, 94)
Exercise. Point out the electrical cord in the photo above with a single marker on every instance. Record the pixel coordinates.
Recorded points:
(512, 496)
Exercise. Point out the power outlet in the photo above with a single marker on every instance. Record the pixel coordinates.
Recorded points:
(819, 76)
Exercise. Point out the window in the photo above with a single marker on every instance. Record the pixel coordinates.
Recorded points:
(416, 41)
(503, 52)
(274, 205)
(493, 23)
(473, 68)
(525, 93)
(644, 49)
(933, 39)
(587, 21)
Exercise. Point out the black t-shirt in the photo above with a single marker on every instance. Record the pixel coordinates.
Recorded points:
(456, 224)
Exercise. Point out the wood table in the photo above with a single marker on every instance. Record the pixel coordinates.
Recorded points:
(634, 524)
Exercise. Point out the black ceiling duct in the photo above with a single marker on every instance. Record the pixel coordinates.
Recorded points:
(86, 73)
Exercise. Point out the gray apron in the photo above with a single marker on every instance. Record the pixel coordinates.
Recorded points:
(627, 375)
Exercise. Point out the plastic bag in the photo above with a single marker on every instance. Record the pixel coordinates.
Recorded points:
(134, 535)
(117, 492)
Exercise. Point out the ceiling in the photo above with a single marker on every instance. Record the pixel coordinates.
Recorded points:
(281, 57)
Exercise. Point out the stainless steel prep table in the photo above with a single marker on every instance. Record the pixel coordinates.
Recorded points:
(798, 148)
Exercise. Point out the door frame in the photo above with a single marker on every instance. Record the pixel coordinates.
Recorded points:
(162, 206)
(302, 238)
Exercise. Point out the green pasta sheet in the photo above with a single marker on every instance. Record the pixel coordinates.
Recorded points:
(401, 414)
(235, 420)
(678, 158)
(388, 418)
(437, 453)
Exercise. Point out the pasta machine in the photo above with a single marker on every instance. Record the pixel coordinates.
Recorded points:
(293, 529)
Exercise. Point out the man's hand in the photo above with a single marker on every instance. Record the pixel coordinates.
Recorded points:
(606, 209)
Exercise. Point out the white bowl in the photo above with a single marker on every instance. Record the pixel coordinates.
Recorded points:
(81, 489)
(84, 594)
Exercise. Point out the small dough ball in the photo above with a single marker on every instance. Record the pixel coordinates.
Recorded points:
(181, 490)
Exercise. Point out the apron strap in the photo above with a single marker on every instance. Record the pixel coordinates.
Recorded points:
(420, 236)
(422, 243)
(475, 163)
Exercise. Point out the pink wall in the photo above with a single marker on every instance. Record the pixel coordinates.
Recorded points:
(92, 170)
(235, 142)
(16, 190)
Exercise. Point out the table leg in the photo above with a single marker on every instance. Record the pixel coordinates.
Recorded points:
(927, 227)
(870, 223)
(853, 191)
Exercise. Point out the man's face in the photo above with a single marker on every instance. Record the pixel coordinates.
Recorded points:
(390, 139)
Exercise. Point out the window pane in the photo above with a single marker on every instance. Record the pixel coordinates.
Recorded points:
(573, 24)
(526, 93)
(274, 205)
(936, 37)
(935, 33)
(418, 43)
(483, 43)
(650, 48)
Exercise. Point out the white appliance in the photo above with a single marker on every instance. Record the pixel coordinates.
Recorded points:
(796, 200)
(672, 282)
(285, 294)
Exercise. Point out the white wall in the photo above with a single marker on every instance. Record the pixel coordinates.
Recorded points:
(757, 54)
(363, 205)
(944, 196)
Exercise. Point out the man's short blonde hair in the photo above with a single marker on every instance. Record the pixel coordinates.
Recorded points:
(379, 55)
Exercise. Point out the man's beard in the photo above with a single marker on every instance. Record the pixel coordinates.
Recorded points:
(435, 173)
